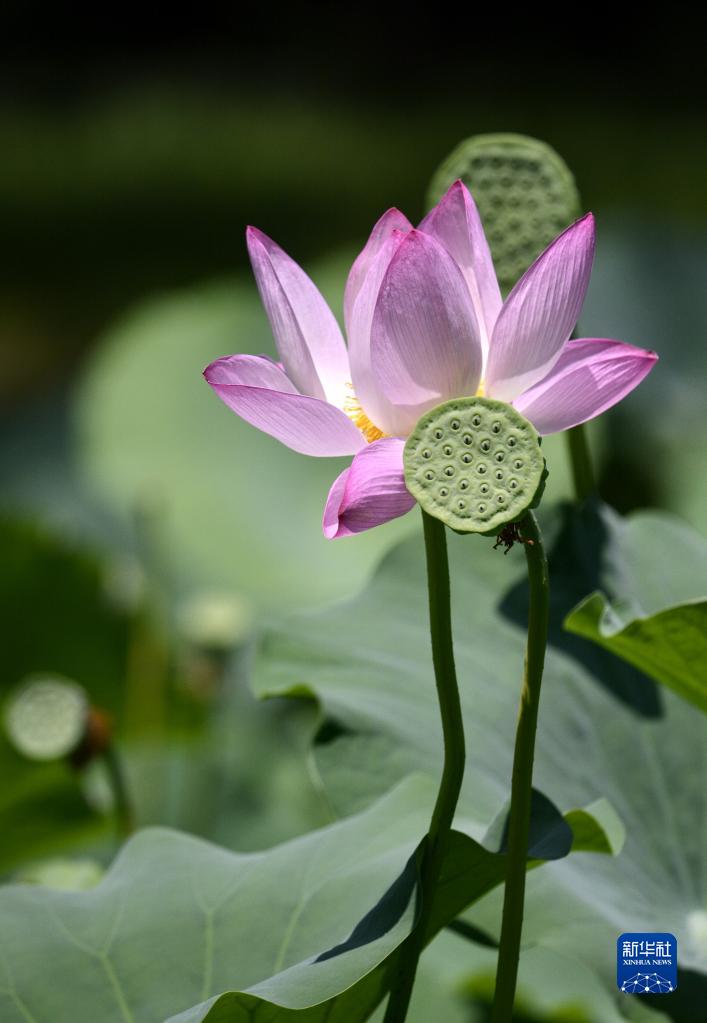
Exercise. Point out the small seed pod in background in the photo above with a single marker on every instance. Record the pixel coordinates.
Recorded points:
(47, 717)
(50, 718)
(525, 193)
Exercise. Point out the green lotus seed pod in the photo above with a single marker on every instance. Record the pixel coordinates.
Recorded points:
(46, 718)
(525, 193)
(474, 463)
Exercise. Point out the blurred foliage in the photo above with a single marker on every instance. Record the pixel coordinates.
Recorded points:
(55, 620)
(191, 736)
(55, 613)
(140, 188)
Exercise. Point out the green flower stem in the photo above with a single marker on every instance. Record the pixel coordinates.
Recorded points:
(581, 462)
(124, 817)
(453, 771)
(521, 785)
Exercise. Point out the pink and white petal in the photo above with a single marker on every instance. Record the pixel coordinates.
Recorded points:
(370, 492)
(591, 375)
(540, 313)
(392, 220)
(372, 399)
(455, 222)
(307, 335)
(257, 390)
(425, 345)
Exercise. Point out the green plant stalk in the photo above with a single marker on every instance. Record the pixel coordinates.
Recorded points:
(124, 817)
(581, 462)
(452, 773)
(522, 780)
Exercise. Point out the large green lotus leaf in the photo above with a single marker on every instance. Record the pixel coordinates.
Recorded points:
(605, 729)
(176, 921)
(670, 646)
(231, 497)
(277, 933)
(655, 613)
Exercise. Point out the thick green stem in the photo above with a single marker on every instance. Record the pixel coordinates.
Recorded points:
(581, 462)
(452, 772)
(121, 800)
(522, 781)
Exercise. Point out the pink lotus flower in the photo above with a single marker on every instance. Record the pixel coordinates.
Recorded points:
(425, 323)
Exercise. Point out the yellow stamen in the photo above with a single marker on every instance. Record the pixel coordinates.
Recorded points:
(352, 408)
(481, 390)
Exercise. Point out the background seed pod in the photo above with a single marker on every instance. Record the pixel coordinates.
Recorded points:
(46, 717)
(525, 193)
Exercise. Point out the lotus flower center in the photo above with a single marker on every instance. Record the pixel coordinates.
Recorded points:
(353, 409)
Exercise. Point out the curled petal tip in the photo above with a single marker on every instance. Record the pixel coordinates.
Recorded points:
(369, 493)
(210, 372)
(255, 234)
